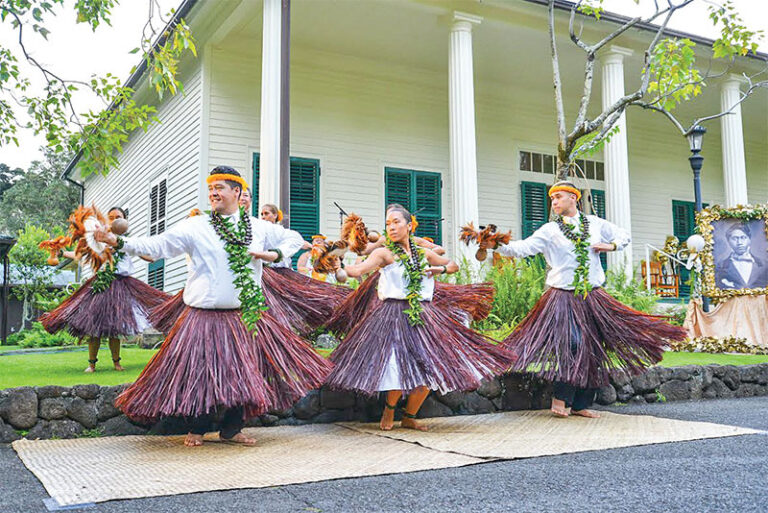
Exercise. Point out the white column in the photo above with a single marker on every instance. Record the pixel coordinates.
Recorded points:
(461, 110)
(732, 138)
(617, 206)
(269, 149)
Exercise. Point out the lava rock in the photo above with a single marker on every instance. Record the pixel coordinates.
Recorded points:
(86, 391)
(750, 373)
(308, 406)
(728, 374)
(434, 408)
(53, 408)
(330, 416)
(719, 389)
(19, 408)
(84, 412)
(52, 391)
(47, 429)
(150, 338)
(625, 393)
(474, 404)
(268, 420)
(326, 341)
(105, 403)
(675, 390)
(490, 388)
(647, 382)
(121, 426)
(452, 400)
(606, 395)
(7, 433)
(336, 400)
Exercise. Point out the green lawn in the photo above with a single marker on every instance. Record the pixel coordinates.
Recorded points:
(66, 368)
(680, 359)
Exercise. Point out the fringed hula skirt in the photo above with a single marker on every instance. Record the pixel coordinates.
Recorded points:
(120, 311)
(210, 360)
(583, 342)
(294, 300)
(461, 302)
(384, 352)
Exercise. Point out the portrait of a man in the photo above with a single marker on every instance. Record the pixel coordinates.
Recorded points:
(740, 255)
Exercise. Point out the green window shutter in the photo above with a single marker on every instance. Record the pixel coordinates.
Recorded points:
(397, 185)
(305, 196)
(598, 201)
(255, 187)
(420, 192)
(683, 215)
(534, 205)
(156, 274)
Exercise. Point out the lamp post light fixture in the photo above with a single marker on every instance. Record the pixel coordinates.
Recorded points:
(695, 139)
(6, 243)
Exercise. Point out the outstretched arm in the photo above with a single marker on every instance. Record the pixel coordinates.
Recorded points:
(169, 244)
(533, 245)
(301, 265)
(378, 259)
(439, 264)
(424, 243)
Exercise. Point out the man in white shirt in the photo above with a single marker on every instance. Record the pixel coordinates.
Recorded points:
(224, 355)
(577, 335)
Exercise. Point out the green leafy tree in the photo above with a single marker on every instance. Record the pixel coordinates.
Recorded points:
(668, 76)
(98, 136)
(7, 177)
(40, 197)
(32, 277)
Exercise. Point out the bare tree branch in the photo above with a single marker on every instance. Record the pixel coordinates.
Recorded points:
(561, 131)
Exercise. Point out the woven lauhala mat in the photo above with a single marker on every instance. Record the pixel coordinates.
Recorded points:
(100, 469)
(527, 434)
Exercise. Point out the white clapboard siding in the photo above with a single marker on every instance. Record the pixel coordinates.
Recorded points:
(170, 149)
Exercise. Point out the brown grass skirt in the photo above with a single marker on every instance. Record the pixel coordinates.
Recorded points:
(442, 354)
(113, 313)
(299, 301)
(295, 300)
(210, 360)
(476, 300)
(583, 341)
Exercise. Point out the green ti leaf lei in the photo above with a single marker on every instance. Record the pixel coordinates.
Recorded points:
(106, 275)
(414, 269)
(581, 285)
(236, 241)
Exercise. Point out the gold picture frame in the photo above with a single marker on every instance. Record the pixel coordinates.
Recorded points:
(712, 223)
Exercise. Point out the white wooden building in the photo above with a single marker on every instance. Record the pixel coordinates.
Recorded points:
(445, 106)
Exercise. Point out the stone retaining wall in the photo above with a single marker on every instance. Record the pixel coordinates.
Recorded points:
(88, 410)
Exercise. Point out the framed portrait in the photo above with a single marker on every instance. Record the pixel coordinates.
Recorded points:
(735, 257)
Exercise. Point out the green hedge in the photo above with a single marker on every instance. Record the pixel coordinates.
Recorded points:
(36, 336)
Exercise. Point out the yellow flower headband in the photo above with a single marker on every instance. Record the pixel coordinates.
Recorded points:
(414, 224)
(565, 188)
(226, 176)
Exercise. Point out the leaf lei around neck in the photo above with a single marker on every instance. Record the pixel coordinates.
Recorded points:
(236, 241)
(581, 285)
(106, 275)
(414, 269)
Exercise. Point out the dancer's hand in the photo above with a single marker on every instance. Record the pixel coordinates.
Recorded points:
(603, 247)
(101, 234)
(434, 270)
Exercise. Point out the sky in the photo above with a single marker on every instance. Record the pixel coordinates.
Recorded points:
(73, 51)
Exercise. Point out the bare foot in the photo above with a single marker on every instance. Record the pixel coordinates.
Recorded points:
(193, 440)
(409, 423)
(240, 439)
(590, 414)
(387, 419)
(558, 408)
(119, 367)
(90, 368)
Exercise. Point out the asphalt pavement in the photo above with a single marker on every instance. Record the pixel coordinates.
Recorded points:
(716, 475)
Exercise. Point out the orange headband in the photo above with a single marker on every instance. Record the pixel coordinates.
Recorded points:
(565, 188)
(319, 237)
(279, 215)
(226, 176)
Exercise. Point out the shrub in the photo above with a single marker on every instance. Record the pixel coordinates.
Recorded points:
(519, 284)
(36, 336)
(630, 292)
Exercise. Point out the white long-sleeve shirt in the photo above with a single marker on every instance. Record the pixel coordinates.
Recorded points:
(210, 283)
(559, 252)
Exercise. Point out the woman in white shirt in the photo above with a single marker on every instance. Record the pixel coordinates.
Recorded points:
(404, 344)
(577, 335)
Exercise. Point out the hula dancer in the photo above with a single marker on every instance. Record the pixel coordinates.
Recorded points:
(111, 304)
(577, 334)
(225, 353)
(404, 344)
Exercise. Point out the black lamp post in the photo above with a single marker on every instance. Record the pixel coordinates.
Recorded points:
(6, 243)
(695, 138)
